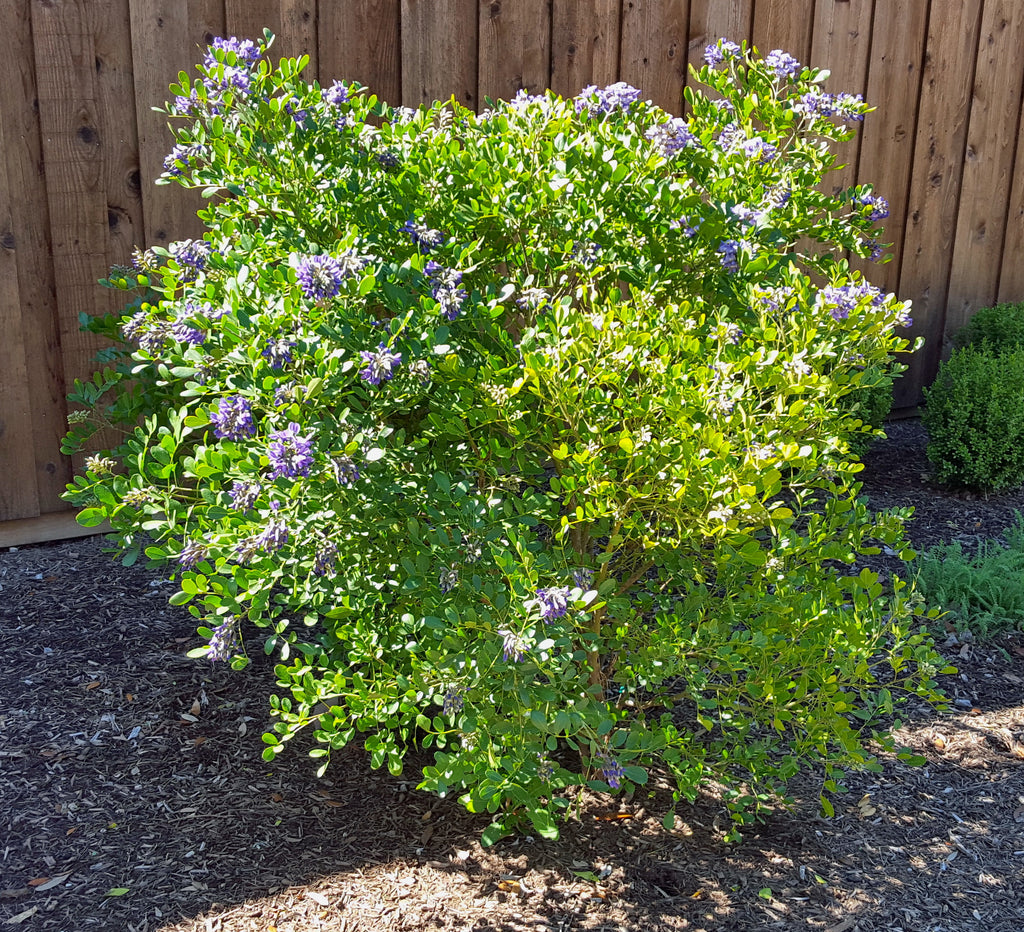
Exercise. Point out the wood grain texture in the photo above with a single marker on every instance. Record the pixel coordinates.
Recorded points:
(19, 497)
(653, 49)
(992, 136)
(711, 20)
(784, 24)
(47, 527)
(935, 177)
(841, 43)
(363, 42)
(584, 44)
(1011, 272)
(293, 23)
(30, 240)
(439, 52)
(169, 36)
(888, 134)
(515, 48)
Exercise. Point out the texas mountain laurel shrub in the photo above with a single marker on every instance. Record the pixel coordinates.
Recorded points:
(974, 414)
(520, 435)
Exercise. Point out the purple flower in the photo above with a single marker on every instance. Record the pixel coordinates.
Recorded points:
(337, 94)
(554, 602)
(453, 701)
(730, 135)
(545, 769)
(612, 771)
(224, 641)
(758, 149)
(582, 577)
(320, 277)
(290, 454)
(278, 352)
(183, 332)
(879, 206)
(688, 225)
(597, 101)
(783, 64)
(533, 299)
(273, 537)
(446, 290)
(388, 160)
(777, 196)
(233, 418)
(191, 255)
(423, 237)
(672, 137)
(380, 364)
(244, 495)
(299, 116)
(448, 578)
(841, 299)
(720, 51)
(345, 470)
(514, 646)
(587, 253)
(747, 215)
(325, 559)
(180, 159)
(192, 554)
(244, 50)
(729, 254)
(135, 326)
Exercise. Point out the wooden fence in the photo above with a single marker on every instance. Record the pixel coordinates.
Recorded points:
(80, 145)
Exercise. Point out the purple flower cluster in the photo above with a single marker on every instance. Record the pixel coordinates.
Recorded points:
(184, 332)
(688, 225)
(192, 554)
(337, 94)
(320, 277)
(345, 470)
(879, 206)
(729, 254)
(545, 769)
(533, 299)
(514, 646)
(599, 101)
(388, 160)
(612, 771)
(278, 352)
(759, 150)
(722, 50)
(380, 364)
(841, 299)
(192, 256)
(181, 159)
(672, 137)
(273, 537)
(224, 641)
(244, 494)
(325, 559)
(783, 64)
(582, 577)
(730, 135)
(239, 56)
(777, 196)
(290, 454)
(299, 116)
(845, 106)
(448, 578)
(232, 420)
(587, 253)
(423, 236)
(747, 215)
(445, 288)
(553, 602)
(453, 701)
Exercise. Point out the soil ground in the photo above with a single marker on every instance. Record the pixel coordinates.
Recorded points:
(133, 796)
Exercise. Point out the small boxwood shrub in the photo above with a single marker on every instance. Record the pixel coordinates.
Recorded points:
(997, 329)
(520, 434)
(974, 414)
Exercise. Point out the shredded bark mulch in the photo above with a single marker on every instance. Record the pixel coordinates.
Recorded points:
(133, 796)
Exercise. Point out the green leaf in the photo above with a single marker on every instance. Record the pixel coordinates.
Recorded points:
(492, 834)
(116, 891)
(544, 824)
(91, 517)
(636, 774)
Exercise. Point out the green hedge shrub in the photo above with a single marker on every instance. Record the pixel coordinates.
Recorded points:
(974, 414)
(997, 329)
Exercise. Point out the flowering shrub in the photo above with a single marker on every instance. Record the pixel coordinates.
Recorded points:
(522, 434)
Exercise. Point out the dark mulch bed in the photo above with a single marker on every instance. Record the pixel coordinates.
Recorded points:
(133, 796)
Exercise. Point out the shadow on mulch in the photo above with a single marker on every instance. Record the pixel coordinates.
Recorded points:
(133, 797)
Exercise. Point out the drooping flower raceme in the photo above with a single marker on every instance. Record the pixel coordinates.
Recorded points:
(514, 646)
(672, 137)
(422, 235)
(446, 290)
(721, 51)
(380, 364)
(320, 277)
(290, 454)
(225, 641)
(612, 771)
(783, 64)
(192, 554)
(192, 256)
(596, 101)
(553, 602)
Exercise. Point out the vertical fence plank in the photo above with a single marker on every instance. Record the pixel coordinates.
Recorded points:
(168, 36)
(439, 52)
(894, 82)
(362, 42)
(515, 47)
(76, 147)
(784, 24)
(987, 183)
(653, 49)
(293, 23)
(934, 197)
(19, 497)
(1011, 272)
(30, 239)
(841, 43)
(711, 20)
(584, 44)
